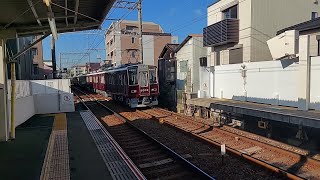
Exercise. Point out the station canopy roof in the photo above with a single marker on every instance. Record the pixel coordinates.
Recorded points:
(30, 17)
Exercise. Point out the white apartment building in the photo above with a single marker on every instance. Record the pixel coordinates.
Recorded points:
(238, 30)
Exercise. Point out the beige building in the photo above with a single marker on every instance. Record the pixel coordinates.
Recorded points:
(238, 31)
(122, 42)
(37, 54)
(77, 70)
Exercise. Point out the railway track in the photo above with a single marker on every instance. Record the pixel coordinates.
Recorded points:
(154, 159)
(288, 163)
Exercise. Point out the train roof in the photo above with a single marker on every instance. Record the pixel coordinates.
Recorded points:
(115, 69)
(126, 66)
(96, 73)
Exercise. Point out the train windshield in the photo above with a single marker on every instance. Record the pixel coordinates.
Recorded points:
(133, 78)
(143, 78)
(153, 76)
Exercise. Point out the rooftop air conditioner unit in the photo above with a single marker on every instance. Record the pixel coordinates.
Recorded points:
(284, 45)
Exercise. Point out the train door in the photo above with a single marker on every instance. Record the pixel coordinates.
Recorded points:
(143, 77)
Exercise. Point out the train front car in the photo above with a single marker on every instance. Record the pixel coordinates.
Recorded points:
(143, 86)
(135, 85)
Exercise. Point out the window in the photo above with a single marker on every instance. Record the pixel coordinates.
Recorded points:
(34, 52)
(131, 28)
(132, 40)
(183, 66)
(314, 15)
(153, 76)
(231, 13)
(143, 78)
(133, 78)
(35, 69)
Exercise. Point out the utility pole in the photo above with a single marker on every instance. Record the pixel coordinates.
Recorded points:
(140, 28)
(60, 65)
(53, 54)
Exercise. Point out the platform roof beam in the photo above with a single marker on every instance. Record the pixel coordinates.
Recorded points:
(34, 12)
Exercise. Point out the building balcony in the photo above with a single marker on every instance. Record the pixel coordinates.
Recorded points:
(220, 33)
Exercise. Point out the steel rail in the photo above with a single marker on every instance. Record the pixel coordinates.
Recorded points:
(236, 152)
(117, 147)
(172, 152)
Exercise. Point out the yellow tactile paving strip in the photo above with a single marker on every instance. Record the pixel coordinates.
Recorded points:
(60, 122)
(56, 162)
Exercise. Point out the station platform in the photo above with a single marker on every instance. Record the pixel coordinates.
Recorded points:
(284, 114)
(64, 146)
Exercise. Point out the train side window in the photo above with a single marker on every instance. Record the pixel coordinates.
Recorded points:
(153, 76)
(120, 79)
(102, 79)
(116, 81)
(125, 81)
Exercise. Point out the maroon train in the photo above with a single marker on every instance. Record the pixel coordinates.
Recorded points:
(135, 85)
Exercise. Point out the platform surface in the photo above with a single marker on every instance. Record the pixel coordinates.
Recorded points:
(23, 157)
(292, 115)
(26, 156)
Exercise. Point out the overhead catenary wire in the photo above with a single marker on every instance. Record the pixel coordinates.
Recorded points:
(121, 19)
(90, 49)
(190, 22)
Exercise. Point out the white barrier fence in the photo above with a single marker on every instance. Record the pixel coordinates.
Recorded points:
(40, 97)
(269, 82)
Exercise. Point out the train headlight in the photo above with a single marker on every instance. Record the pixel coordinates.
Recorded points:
(154, 89)
(133, 91)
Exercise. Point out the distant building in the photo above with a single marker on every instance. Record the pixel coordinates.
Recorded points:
(311, 28)
(122, 42)
(78, 70)
(92, 67)
(105, 64)
(238, 31)
(48, 70)
(30, 64)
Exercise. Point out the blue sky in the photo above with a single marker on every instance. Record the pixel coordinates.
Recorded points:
(179, 17)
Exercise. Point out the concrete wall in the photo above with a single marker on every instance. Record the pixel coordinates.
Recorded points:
(3, 91)
(315, 85)
(24, 109)
(148, 49)
(269, 82)
(41, 97)
(260, 20)
(313, 41)
(204, 90)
